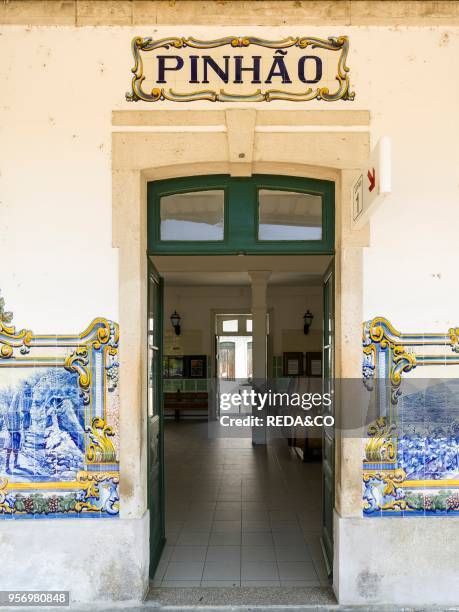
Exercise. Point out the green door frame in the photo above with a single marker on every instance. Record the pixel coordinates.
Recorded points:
(155, 435)
(328, 434)
(240, 236)
(241, 215)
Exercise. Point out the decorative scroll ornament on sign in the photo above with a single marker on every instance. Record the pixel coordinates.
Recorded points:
(240, 69)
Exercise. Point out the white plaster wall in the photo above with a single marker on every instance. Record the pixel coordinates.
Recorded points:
(289, 303)
(396, 561)
(96, 560)
(59, 86)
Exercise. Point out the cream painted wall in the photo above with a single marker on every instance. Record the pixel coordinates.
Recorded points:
(59, 86)
(288, 304)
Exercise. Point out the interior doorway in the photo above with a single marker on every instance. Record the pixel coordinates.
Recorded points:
(233, 356)
(228, 501)
(238, 514)
(233, 342)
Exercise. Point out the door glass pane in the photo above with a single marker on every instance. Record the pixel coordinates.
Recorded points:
(226, 360)
(289, 215)
(230, 326)
(198, 215)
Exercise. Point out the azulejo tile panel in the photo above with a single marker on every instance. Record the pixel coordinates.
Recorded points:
(59, 437)
(411, 454)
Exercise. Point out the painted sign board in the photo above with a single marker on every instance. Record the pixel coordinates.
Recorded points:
(240, 69)
(372, 185)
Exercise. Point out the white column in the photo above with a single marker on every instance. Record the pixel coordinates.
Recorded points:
(259, 332)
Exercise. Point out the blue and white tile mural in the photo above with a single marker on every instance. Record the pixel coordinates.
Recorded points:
(59, 423)
(411, 455)
(42, 426)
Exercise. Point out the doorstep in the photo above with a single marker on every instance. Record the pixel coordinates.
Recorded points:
(263, 597)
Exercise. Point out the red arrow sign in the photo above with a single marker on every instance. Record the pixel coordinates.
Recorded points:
(371, 180)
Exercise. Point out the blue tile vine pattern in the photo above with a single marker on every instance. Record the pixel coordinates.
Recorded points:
(59, 436)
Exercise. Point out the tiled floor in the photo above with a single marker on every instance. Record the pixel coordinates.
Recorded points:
(238, 515)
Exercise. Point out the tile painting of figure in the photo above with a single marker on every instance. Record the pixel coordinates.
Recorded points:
(42, 426)
(59, 438)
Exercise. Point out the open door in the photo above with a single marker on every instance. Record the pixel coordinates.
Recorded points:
(155, 432)
(328, 447)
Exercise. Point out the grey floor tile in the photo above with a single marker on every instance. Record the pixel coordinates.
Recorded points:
(300, 583)
(260, 583)
(297, 570)
(187, 553)
(257, 554)
(220, 571)
(173, 526)
(226, 526)
(173, 584)
(284, 526)
(160, 571)
(255, 526)
(172, 538)
(259, 570)
(223, 505)
(254, 505)
(220, 583)
(260, 538)
(197, 525)
(227, 515)
(225, 539)
(255, 515)
(282, 515)
(202, 506)
(184, 571)
(227, 494)
(286, 539)
(223, 554)
(286, 554)
(199, 516)
(193, 538)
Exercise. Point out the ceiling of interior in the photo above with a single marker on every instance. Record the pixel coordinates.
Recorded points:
(237, 278)
(233, 270)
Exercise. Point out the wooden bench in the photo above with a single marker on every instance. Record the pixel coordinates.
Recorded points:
(185, 400)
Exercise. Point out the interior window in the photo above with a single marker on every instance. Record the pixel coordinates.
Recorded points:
(197, 215)
(289, 215)
(230, 325)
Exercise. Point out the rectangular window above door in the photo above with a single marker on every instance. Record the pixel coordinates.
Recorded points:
(289, 215)
(262, 214)
(193, 216)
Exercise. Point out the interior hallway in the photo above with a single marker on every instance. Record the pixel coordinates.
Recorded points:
(238, 515)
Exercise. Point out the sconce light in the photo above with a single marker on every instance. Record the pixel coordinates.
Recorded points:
(175, 320)
(308, 317)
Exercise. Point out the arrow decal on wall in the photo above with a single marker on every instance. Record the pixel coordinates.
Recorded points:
(371, 179)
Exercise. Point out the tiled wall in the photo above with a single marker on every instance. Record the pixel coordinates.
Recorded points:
(277, 365)
(411, 455)
(185, 384)
(59, 411)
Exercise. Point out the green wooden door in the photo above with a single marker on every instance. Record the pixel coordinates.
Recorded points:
(328, 453)
(155, 431)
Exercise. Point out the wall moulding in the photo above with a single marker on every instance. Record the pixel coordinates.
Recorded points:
(80, 13)
(264, 118)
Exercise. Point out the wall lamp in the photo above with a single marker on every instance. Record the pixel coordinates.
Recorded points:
(175, 320)
(308, 317)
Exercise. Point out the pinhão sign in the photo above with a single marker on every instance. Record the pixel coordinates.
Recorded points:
(240, 69)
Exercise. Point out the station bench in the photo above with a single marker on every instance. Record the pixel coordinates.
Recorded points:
(184, 401)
